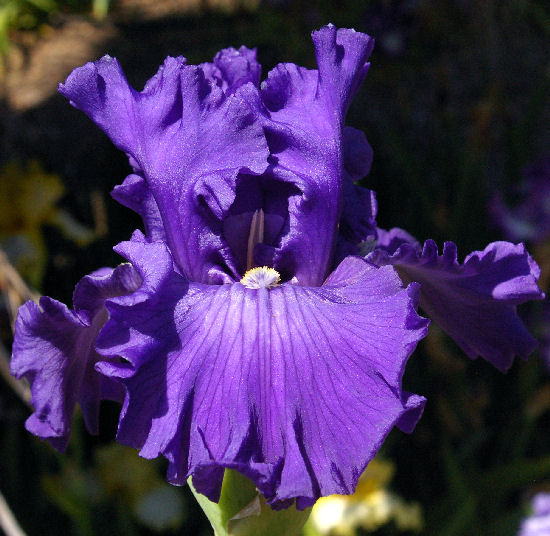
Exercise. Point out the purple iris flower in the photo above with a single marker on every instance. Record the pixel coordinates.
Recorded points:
(538, 523)
(249, 330)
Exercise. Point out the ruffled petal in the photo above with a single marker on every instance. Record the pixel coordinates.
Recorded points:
(215, 375)
(189, 139)
(54, 349)
(305, 133)
(475, 303)
(389, 242)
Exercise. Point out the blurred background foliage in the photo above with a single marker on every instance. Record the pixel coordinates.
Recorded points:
(455, 106)
(30, 14)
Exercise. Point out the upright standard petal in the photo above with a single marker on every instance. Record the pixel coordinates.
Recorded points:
(189, 139)
(216, 375)
(54, 349)
(475, 303)
(305, 133)
(200, 136)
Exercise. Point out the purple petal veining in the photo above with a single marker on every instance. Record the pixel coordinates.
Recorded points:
(216, 374)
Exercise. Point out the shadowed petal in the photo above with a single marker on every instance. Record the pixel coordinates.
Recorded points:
(216, 375)
(136, 195)
(475, 303)
(358, 219)
(54, 349)
(357, 153)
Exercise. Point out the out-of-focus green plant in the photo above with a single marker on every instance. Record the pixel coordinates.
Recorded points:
(130, 487)
(28, 199)
(21, 14)
(28, 14)
(153, 502)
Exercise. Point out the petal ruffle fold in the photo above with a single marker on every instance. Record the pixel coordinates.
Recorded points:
(193, 131)
(297, 385)
(54, 349)
(215, 375)
(474, 302)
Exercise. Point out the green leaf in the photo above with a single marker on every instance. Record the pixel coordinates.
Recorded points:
(242, 511)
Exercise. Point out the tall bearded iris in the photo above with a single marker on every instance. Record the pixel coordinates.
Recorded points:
(248, 329)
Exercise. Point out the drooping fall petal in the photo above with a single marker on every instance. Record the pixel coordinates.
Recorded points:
(264, 381)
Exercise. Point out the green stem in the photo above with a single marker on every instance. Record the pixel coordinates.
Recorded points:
(243, 511)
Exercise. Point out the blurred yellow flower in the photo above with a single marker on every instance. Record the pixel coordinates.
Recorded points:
(370, 507)
(28, 198)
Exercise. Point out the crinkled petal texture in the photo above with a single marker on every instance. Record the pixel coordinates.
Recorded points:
(188, 135)
(295, 387)
(54, 349)
(475, 303)
(307, 109)
(232, 68)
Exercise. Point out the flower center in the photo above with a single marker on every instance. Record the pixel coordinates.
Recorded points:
(256, 223)
(261, 277)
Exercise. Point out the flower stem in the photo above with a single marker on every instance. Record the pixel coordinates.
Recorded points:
(243, 511)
